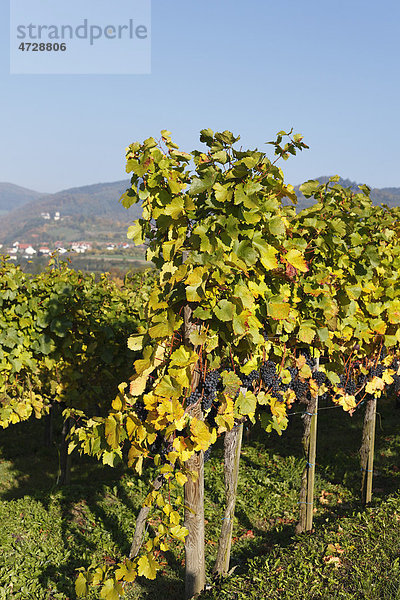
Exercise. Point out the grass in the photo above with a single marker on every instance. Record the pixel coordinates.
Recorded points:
(46, 532)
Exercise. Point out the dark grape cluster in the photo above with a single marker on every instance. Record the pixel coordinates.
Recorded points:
(300, 388)
(210, 417)
(362, 380)
(210, 387)
(140, 411)
(194, 397)
(207, 454)
(161, 447)
(396, 382)
(377, 370)
(271, 380)
(268, 374)
(310, 361)
(247, 380)
(319, 377)
(348, 384)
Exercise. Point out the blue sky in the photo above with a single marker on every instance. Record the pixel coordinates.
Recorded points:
(328, 69)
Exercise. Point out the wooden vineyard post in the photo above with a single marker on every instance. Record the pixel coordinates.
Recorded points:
(65, 457)
(306, 501)
(141, 521)
(311, 466)
(367, 451)
(49, 427)
(195, 570)
(232, 447)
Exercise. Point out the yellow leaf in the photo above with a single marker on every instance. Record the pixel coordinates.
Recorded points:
(296, 259)
(306, 333)
(387, 376)
(81, 587)
(347, 401)
(174, 517)
(278, 409)
(181, 478)
(139, 465)
(179, 533)
(147, 566)
(111, 590)
(179, 444)
(201, 435)
(126, 571)
(164, 547)
(278, 310)
(305, 372)
(135, 342)
(138, 383)
(117, 403)
(375, 385)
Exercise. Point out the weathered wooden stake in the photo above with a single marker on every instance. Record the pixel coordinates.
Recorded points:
(141, 521)
(311, 466)
(65, 457)
(195, 569)
(49, 427)
(195, 575)
(306, 499)
(232, 447)
(367, 451)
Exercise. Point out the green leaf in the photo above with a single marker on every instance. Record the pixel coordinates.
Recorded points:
(267, 253)
(323, 334)
(207, 136)
(202, 313)
(309, 187)
(276, 226)
(247, 253)
(220, 156)
(246, 404)
(306, 333)
(231, 382)
(168, 388)
(224, 310)
(111, 458)
(46, 344)
(60, 326)
(197, 339)
(135, 233)
(226, 137)
(221, 192)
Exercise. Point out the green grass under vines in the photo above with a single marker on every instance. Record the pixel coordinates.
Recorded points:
(46, 533)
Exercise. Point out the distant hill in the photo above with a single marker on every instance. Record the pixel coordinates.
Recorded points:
(389, 196)
(13, 196)
(89, 212)
(93, 213)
